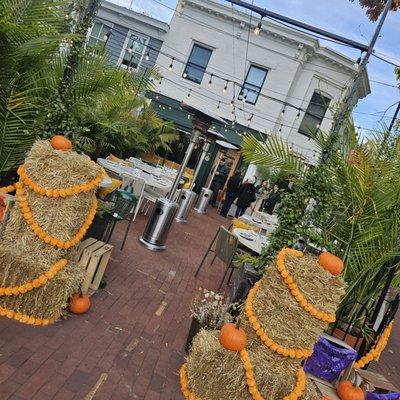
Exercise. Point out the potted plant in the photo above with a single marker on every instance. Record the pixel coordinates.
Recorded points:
(209, 310)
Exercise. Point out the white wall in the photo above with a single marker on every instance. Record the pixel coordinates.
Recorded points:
(297, 66)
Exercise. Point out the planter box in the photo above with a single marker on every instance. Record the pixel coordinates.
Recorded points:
(194, 329)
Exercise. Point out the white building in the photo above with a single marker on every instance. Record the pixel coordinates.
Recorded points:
(211, 57)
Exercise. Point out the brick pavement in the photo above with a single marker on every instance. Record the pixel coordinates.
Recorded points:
(121, 335)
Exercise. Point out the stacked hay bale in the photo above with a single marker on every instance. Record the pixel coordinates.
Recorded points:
(213, 372)
(26, 258)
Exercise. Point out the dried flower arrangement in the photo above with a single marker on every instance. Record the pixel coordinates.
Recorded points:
(210, 309)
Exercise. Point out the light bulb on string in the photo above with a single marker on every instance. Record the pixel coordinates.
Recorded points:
(318, 126)
(257, 29)
(160, 82)
(218, 106)
(225, 87)
(283, 112)
(185, 74)
(280, 129)
(210, 81)
(232, 103)
(298, 115)
(130, 50)
(147, 56)
(171, 65)
(190, 92)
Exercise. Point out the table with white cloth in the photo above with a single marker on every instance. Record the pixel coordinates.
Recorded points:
(152, 179)
(266, 226)
(252, 241)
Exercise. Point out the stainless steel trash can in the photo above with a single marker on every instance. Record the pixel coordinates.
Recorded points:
(203, 200)
(157, 228)
(186, 199)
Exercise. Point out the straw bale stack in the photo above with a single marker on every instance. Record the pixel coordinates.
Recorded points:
(215, 373)
(24, 256)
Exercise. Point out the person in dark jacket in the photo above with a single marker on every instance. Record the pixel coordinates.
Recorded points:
(232, 191)
(219, 180)
(272, 200)
(246, 197)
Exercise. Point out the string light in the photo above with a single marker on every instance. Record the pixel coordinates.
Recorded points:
(190, 92)
(210, 81)
(280, 129)
(147, 56)
(218, 106)
(171, 65)
(185, 74)
(257, 29)
(283, 112)
(298, 115)
(232, 103)
(160, 82)
(226, 87)
(318, 125)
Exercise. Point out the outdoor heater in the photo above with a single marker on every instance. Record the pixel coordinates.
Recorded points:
(164, 210)
(206, 192)
(187, 196)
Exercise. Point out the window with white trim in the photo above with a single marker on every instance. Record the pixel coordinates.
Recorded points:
(314, 114)
(253, 84)
(98, 34)
(197, 63)
(135, 47)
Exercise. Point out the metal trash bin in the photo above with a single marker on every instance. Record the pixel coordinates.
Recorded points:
(186, 199)
(157, 228)
(203, 200)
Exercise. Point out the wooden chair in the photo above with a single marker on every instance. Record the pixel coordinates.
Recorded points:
(224, 246)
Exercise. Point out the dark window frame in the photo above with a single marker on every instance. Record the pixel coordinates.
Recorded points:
(195, 66)
(257, 88)
(317, 119)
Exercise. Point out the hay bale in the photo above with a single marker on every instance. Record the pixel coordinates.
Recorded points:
(23, 255)
(215, 373)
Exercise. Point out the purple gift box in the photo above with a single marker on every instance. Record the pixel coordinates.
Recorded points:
(328, 360)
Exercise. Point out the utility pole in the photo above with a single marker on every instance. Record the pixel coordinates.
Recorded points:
(349, 101)
(395, 117)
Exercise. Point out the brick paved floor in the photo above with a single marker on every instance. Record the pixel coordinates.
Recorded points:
(122, 336)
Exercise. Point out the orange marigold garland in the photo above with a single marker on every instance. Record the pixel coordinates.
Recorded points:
(294, 290)
(185, 384)
(71, 191)
(35, 283)
(376, 351)
(7, 189)
(41, 233)
(284, 351)
(25, 319)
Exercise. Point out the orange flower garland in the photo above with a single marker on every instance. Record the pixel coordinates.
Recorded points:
(25, 319)
(251, 383)
(277, 348)
(294, 290)
(74, 190)
(41, 233)
(376, 351)
(35, 283)
(7, 189)
(185, 384)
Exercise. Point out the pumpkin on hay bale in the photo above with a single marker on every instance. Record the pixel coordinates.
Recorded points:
(24, 255)
(214, 372)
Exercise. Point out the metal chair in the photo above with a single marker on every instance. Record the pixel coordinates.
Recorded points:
(138, 186)
(225, 248)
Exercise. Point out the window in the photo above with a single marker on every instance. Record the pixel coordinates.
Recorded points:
(135, 47)
(197, 63)
(314, 115)
(98, 34)
(253, 84)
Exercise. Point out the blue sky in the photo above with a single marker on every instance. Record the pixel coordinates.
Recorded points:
(342, 17)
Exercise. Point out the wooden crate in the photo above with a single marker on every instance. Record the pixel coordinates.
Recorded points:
(94, 256)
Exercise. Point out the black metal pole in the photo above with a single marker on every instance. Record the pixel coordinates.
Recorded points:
(395, 116)
(266, 13)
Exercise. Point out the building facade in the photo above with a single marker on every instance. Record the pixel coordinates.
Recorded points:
(278, 81)
(133, 40)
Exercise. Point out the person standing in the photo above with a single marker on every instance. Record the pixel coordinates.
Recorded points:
(219, 180)
(232, 191)
(272, 200)
(246, 197)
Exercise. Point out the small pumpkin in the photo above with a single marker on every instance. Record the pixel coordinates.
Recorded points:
(59, 142)
(331, 263)
(232, 337)
(79, 303)
(346, 391)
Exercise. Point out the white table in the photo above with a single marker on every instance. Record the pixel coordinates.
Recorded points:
(255, 244)
(150, 179)
(265, 226)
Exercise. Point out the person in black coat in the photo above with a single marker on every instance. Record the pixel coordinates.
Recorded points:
(219, 180)
(272, 200)
(246, 197)
(232, 191)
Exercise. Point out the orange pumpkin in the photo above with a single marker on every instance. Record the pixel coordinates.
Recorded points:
(346, 391)
(331, 263)
(232, 338)
(59, 142)
(79, 303)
